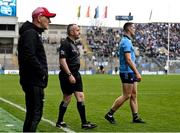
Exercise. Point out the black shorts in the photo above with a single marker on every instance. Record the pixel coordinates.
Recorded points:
(67, 87)
(128, 78)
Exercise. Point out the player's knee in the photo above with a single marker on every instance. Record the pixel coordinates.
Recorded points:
(67, 99)
(133, 96)
(80, 97)
(127, 96)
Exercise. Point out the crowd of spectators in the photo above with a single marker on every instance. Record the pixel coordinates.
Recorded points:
(103, 41)
(152, 40)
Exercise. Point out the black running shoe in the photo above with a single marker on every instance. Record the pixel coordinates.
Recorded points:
(61, 124)
(110, 118)
(88, 125)
(138, 120)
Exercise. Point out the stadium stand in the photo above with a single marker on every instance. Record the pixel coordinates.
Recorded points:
(99, 46)
(151, 42)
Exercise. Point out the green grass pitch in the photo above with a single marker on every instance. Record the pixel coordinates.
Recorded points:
(158, 97)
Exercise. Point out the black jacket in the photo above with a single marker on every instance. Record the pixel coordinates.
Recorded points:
(32, 60)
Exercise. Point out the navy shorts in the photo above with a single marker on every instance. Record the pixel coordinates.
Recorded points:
(67, 87)
(128, 78)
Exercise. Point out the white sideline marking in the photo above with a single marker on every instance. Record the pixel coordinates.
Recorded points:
(9, 125)
(43, 119)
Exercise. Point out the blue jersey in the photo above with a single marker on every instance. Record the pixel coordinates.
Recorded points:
(125, 46)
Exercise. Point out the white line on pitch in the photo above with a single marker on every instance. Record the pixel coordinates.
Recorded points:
(43, 119)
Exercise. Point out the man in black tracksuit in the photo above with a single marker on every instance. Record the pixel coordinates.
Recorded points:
(33, 68)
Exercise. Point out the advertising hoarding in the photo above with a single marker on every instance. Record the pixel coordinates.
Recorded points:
(7, 7)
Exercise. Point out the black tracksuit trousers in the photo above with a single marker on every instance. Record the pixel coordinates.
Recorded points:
(34, 97)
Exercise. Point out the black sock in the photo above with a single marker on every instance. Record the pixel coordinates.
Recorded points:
(62, 110)
(81, 110)
(135, 115)
(111, 112)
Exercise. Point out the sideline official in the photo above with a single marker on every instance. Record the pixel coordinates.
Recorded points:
(33, 70)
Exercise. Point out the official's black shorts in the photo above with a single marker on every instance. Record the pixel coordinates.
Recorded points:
(67, 87)
(128, 78)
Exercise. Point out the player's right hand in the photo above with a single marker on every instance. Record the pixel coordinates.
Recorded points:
(138, 77)
(72, 79)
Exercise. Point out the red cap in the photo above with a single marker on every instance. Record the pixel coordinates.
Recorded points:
(42, 11)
